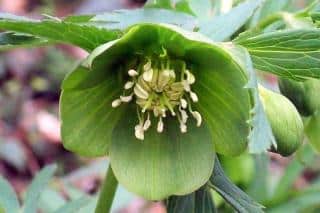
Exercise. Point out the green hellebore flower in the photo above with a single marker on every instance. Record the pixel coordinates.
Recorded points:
(160, 102)
(304, 95)
(285, 121)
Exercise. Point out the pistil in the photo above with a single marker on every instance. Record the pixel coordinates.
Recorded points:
(156, 89)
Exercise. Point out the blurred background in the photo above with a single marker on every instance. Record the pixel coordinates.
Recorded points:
(29, 125)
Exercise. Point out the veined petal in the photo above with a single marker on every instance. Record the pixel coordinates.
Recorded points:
(163, 164)
(87, 115)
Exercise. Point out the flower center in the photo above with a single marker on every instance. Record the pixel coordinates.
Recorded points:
(160, 88)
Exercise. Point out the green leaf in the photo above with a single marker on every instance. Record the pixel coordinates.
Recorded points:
(290, 53)
(239, 200)
(292, 172)
(312, 130)
(37, 186)
(50, 200)
(86, 113)
(299, 204)
(75, 205)
(261, 137)
(175, 5)
(122, 19)
(8, 198)
(201, 8)
(199, 201)
(159, 4)
(258, 187)
(315, 16)
(79, 18)
(84, 36)
(163, 164)
(224, 26)
(10, 40)
(232, 166)
(268, 8)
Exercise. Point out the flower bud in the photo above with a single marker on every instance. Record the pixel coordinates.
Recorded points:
(285, 121)
(304, 95)
(312, 127)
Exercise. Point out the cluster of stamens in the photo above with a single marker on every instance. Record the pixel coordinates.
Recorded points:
(160, 90)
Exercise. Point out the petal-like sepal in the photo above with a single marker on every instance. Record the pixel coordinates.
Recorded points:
(163, 164)
(87, 113)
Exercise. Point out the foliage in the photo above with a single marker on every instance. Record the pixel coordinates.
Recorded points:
(10, 203)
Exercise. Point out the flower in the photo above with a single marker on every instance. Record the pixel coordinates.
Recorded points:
(285, 121)
(160, 102)
(161, 86)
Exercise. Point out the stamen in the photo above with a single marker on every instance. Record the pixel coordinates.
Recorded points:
(183, 103)
(186, 86)
(147, 75)
(126, 99)
(198, 117)
(116, 103)
(183, 127)
(139, 132)
(193, 96)
(147, 66)
(132, 73)
(156, 91)
(147, 124)
(184, 115)
(160, 125)
(167, 103)
(164, 113)
(147, 104)
(190, 77)
(163, 79)
(128, 85)
(172, 74)
(140, 92)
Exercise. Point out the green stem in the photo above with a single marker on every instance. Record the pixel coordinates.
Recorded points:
(107, 192)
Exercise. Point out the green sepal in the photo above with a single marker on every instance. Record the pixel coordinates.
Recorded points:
(170, 163)
(87, 117)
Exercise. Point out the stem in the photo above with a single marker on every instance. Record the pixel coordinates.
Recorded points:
(107, 192)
